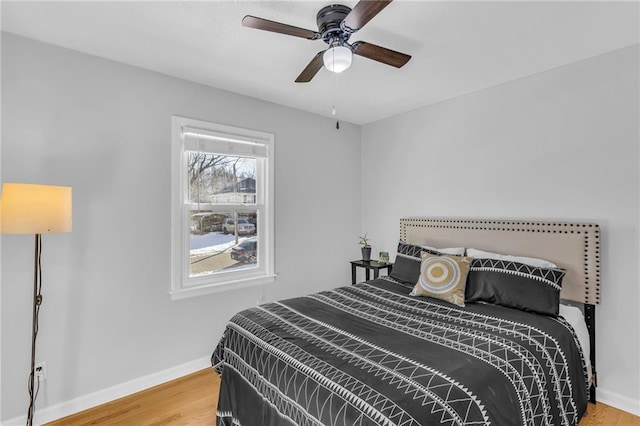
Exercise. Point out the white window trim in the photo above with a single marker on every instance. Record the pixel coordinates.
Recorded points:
(180, 220)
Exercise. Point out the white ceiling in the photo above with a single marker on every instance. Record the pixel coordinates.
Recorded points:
(457, 47)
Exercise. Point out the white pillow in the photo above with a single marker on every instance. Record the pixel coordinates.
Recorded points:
(456, 251)
(574, 316)
(531, 261)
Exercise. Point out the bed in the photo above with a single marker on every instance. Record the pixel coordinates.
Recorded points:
(372, 354)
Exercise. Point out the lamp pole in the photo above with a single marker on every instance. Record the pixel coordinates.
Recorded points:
(37, 301)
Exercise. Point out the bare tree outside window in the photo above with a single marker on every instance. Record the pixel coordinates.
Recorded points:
(221, 179)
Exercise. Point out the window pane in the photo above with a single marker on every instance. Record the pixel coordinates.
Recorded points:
(222, 241)
(221, 179)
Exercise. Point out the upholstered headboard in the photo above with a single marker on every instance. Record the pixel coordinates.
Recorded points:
(571, 245)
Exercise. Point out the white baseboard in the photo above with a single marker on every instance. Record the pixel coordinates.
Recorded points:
(618, 401)
(64, 409)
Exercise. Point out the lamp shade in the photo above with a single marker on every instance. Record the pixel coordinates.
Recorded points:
(35, 209)
(337, 58)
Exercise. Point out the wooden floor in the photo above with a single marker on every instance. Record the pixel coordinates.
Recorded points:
(191, 400)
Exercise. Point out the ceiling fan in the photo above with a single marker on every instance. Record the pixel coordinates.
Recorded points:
(336, 24)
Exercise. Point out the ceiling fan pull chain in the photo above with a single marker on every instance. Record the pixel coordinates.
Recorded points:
(334, 111)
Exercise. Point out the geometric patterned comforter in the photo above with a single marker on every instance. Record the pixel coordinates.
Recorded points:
(369, 354)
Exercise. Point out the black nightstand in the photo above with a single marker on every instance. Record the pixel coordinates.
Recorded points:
(369, 265)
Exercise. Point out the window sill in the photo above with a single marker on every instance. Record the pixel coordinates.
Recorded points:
(185, 293)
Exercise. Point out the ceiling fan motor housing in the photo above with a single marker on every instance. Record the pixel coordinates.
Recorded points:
(329, 19)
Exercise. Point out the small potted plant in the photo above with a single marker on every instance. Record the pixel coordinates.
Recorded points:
(366, 248)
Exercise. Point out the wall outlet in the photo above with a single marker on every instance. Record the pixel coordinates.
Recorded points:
(41, 371)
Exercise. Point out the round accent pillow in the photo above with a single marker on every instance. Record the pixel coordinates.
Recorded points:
(443, 277)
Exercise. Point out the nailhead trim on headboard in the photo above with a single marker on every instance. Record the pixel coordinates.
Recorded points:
(590, 231)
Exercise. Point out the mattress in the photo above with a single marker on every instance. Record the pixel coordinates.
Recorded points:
(370, 354)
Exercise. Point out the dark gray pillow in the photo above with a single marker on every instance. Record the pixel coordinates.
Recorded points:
(406, 268)
(515, 285)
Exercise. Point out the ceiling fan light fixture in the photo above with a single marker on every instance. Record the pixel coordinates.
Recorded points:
(337, 58)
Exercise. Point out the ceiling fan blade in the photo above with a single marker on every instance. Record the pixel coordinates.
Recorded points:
(362, 13)
(277, 27)
(380, 54)
(312, 69)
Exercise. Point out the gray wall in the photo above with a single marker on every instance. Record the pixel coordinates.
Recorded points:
(104, 128)
(562, 144)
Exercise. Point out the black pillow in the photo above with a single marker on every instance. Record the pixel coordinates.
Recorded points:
(408, 259)
(405, 269)
(515, 285)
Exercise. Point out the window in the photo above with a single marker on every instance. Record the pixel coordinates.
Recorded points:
(222, 216)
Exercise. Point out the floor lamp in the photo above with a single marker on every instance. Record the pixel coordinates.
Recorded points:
(36, 210)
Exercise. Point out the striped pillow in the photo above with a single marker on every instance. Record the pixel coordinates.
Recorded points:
(406, 267)
(516, 285)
